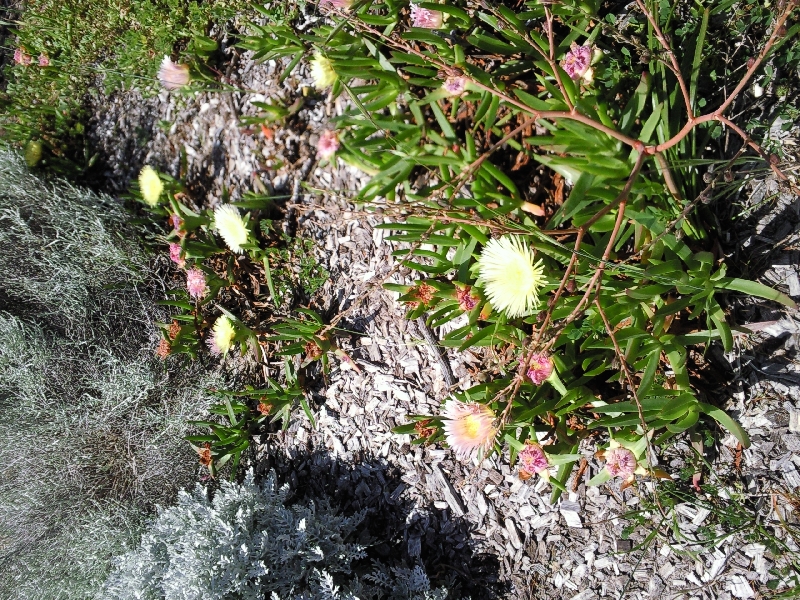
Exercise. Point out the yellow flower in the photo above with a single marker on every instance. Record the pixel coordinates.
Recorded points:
(231, 227)
(150, 185)
(510, 277)
(222, 339)
(322, 72)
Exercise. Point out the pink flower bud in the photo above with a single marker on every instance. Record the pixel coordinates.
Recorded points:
(173, 76)
(328, 144)
(43, 60)
(176, 254)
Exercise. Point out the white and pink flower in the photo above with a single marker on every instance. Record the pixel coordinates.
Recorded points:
(469, 427)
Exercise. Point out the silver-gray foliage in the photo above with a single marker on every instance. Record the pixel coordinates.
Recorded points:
(247, 544)
(91, 422)
(63, 248)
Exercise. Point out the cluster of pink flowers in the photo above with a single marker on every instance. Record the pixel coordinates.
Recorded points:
(173, 76)
(427, 19)
(328, 144)
(21, 57)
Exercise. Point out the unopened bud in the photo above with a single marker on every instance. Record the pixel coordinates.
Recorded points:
(773, 159)
(750, 62)
(571, 286)
(782, 30)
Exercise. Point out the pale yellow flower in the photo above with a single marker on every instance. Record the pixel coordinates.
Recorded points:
(322, 72)
(510, 277)
(150, 185)
(223, 333)
(231, 227)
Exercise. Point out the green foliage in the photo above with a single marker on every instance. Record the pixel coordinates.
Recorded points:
(113, 44)
(639, 287)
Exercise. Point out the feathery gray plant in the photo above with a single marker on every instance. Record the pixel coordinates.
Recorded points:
(247, 544)
(91, 422)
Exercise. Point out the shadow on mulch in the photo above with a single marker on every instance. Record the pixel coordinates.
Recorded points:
(407, 535)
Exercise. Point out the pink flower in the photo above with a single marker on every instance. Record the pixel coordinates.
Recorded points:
(466, 300)
(21, 57)
(541, 367)
(328, 144)
(533, 460)
(620, 462)
(43, 60)
(427, 19)
(577, 61)
(196, 283)
(336, 4)
(455, 86)
(468, 428)
(176, 254)
(173, 76)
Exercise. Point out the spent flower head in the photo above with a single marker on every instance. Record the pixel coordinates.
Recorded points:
(222, 336)
(540, 369)
(425, 18)
(173, 76)
(44, 61)
(620, 462)
(21, 57)
(150, 185)
(533, 461)
(196, 283)
(322, 72)
(469, 427)
(466, 299)
(231, 227)
(455, 86)
(328, 144)
(577, 63)
(510, 277)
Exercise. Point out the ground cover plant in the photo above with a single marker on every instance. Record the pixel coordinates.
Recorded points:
(594, 300)
(249, 541)
(64, 51)
(548, 170)
(91, 421)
